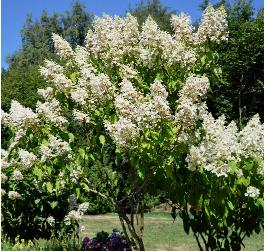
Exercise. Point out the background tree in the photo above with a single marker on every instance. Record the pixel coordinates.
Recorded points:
(22, 76)
(242, 63)
(156, 10)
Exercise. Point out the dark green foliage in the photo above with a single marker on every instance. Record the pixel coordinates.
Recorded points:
(21, 84)
(242, 63)
(156, 10)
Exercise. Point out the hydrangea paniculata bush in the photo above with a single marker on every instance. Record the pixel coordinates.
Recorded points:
(140, 90)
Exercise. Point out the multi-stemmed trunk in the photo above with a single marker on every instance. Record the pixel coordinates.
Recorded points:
(133, 230)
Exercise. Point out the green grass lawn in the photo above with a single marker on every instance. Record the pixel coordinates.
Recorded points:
(160, 232)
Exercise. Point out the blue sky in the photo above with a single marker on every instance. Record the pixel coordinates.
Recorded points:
(14, 14)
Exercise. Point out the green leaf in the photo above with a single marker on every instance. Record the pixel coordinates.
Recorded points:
(72, 137)
(259, 202)
(102, 139)
(145, 145)
(85, 186)
(118, 150)
(49, 187)
(37, 172)
(57, 185)
(243, 181)
(140, 173)
(37, 201)
(45, 142)
(203, 59)
(73, 76)
(77, 190)
(82, 152)
(230, 205)
(53, 204)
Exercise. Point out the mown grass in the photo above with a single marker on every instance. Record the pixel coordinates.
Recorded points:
(160, 232)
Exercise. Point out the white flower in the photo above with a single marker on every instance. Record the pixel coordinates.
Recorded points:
(56, 147)
(21, 116)
(82, 208)
(13, 195)
(72, 216)
(19, 134)
(81, 56)
(4, 164)
(4, 178)
(46, 93)
(27, 158)
(195, 87)
(4, 154)
(122, 131)
(62, 47)
(79, 96)
(101, 87)
(51, 110)
(182, 26)
(213, 26)
(54, 72)
(251, 138)
(3, 192)
(80, 116)
(17, 175)
(51, 221)
(252, 192)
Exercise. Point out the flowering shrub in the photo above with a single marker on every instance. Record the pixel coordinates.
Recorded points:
(136, 99)
(103, 242)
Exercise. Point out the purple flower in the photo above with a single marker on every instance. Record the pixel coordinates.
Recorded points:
(95, 244)
(86, 242)
(115, 235)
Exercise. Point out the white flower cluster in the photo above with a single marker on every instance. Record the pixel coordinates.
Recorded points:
(13, 195)
(190, 106)
(62, 47)
(122, 131)
(71, 217)
(19, 134)
(47, 93)
(50, 110)
(17, 175)
(19, 116)
(54, 73)
(101, 87)
(137, 112)
(51, 221)
(182, 27)
(81, 56)
(75, 215)
(213, 26)
(3, 192)
(251, 138)
(56, 147)
(252, 192)
(113, 37)
(79, 95)
(4, 178)
(222, 144)
(27, 158)
(82, 208)
(4, 159)
(80, 116)
(153, 42)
